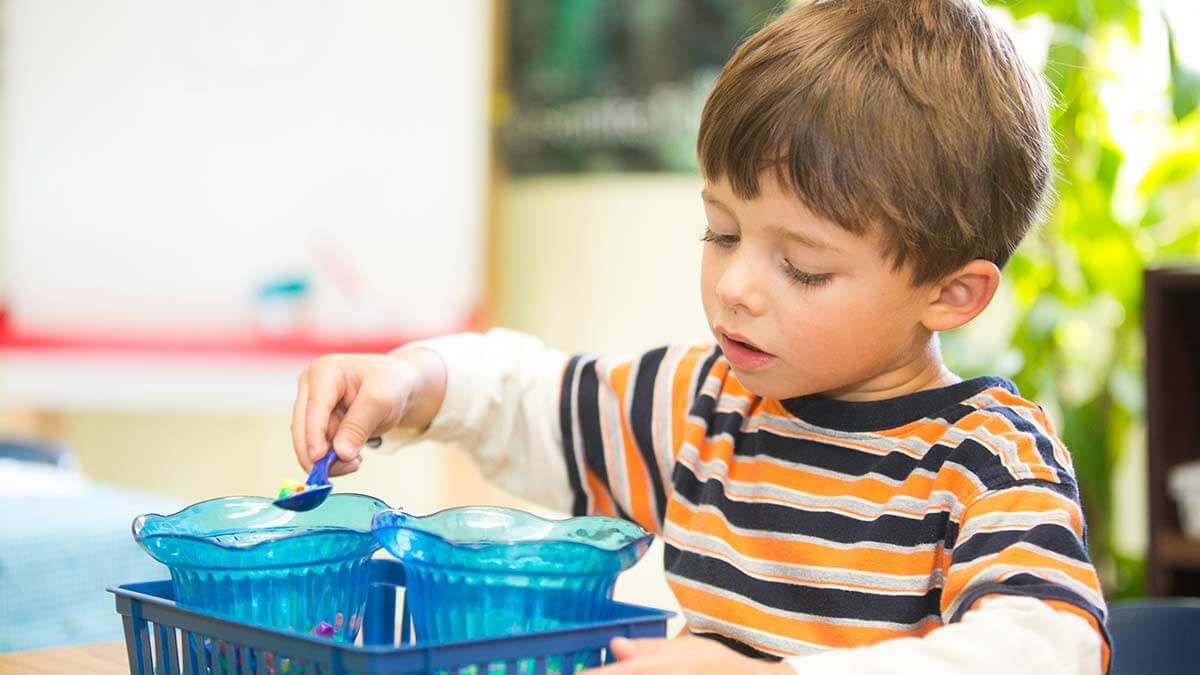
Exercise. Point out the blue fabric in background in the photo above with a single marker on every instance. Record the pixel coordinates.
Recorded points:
(57, 556)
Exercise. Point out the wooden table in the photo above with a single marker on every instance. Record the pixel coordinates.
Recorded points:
(105, 658)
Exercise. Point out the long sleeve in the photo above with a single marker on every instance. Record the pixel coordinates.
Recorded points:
(583, 434)
(1005, 635)
(501, 407)
(623, 423)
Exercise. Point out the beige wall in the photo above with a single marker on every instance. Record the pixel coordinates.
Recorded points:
(603, 263)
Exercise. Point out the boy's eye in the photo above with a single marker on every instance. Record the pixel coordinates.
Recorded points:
(722, 240)
(805, 278)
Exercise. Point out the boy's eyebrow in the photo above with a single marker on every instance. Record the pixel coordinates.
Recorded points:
(802, 238)
(779, 230)
(708, 197)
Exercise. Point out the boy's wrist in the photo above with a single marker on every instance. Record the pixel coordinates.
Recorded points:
(424, 373)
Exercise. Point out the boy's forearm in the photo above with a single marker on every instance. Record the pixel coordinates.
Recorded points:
(984, 641)
(493, 395)
(429, 389)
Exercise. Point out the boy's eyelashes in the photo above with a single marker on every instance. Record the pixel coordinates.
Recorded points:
(795, 275)
(722, 240)
(806, 278)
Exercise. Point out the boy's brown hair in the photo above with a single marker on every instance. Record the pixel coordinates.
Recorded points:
(914, 116)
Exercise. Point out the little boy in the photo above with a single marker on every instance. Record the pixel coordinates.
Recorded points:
(819, 478)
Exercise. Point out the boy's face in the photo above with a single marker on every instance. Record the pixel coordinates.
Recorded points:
(801, 306)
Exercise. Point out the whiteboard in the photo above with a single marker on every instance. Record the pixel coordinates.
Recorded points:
(162, 160)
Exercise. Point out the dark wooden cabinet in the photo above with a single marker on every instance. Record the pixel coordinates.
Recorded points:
(1172, 326)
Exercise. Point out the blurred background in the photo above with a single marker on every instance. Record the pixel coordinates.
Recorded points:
(198, 198)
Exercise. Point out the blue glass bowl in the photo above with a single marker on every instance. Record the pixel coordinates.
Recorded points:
(479, 571)
(247, 559)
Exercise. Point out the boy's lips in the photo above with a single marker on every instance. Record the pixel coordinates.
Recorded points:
(741, 352)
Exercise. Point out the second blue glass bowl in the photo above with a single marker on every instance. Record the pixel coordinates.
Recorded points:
(248, 559)
(479, 571)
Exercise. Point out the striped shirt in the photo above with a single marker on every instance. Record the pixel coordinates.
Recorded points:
(800, 525)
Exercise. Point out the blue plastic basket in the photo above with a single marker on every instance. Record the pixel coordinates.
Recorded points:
(163, 638)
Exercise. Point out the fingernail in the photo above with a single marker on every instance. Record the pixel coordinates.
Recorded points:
(343, 448)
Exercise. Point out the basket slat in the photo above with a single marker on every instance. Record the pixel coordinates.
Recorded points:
(260, 650)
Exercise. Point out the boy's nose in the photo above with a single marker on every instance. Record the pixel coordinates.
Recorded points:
(738, 291)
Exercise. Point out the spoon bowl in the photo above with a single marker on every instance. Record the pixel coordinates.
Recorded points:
(311, 498)
(316, 488)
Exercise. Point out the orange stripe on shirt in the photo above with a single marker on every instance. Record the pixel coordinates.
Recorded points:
(814, 631)
(870, 490)
(1024, 561)
(598, 495)
(1025, 499)
(681, 395)
(860, 557)
(640, 497)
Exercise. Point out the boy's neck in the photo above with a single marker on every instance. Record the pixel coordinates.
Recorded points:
(921, 369)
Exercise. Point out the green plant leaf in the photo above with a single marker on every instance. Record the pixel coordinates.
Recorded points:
(1185, 82)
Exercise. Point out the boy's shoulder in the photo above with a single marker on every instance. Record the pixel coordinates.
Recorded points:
(980, 427)
(1003, 438)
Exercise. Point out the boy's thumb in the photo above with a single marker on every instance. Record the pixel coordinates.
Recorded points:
(622, 648)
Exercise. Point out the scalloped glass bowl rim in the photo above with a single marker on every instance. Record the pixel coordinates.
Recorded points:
(139, 523)
(638, 535)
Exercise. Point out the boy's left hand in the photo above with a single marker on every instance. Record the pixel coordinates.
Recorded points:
(687, 654)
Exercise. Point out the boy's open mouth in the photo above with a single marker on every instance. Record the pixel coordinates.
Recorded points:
(745, 345)
(744, 354)
(737, 340)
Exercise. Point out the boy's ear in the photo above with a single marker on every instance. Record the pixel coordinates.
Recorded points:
(961, 295)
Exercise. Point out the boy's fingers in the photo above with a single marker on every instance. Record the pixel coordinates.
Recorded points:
(624, 648)
(324, 392)
(340, 468)
(360, 422)
(298, 408)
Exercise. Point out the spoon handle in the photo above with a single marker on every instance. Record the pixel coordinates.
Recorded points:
(320, 470)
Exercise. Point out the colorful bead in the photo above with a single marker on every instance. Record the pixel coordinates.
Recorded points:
(289, 488)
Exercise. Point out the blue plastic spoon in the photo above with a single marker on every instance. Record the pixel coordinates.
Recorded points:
(317, 487)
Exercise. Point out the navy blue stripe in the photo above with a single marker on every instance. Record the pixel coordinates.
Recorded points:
(1051, 536)
(897, 465)
(859, 416)
(592, 440)
(1029, 586)
(848, 461)
(706, 368)
(955, 413)
(736, 645)
(982, 461)
(641, 415)
(1041, 441)
(725, 422)
(796, 597)
(565, 416)
(703, 408)
(835, 527)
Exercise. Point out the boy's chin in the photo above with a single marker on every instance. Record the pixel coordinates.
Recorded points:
(769, 385)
